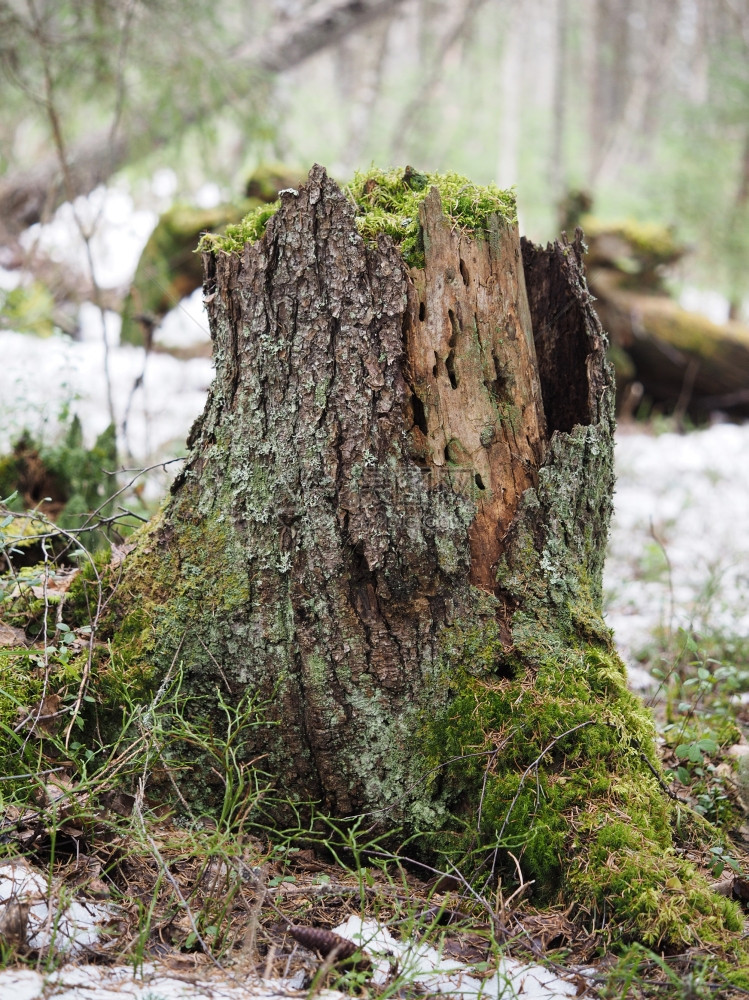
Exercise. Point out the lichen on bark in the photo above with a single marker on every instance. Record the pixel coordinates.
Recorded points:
(391, 528)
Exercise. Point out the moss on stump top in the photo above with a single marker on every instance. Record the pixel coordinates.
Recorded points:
(387, 201)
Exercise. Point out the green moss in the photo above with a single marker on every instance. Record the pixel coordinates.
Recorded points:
(237, 234)
(269, 178)
(387, 201)
(651, 241)
(169, 269)
(545, 735)
(64, 478)
(187, 594)
(637, 250)
(27, 676)
(21, 683)
(21, 687)
(737, 978)
(687, 331)
(28, 308)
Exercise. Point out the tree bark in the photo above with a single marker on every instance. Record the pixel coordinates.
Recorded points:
(391, 531)
(367, 441)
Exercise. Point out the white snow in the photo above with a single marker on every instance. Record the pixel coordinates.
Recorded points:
(154, 400)
(417, 962)
(186, 325)
(164, 183)
(116, 229)
(423, 965)
(54, 920)
(679, 549)
(151, 982)
(160, 396)
(713, 305)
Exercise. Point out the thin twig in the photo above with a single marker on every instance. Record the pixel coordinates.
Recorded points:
(35, 774)
(671, 794)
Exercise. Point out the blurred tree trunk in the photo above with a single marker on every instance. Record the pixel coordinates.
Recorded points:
(739, 219)
(557, 164)
(31, 195)
(681, 362)
(665, 357)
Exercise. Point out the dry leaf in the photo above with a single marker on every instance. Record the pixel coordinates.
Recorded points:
(741, 889)
(56, 792)
(723, 888)
(14, 917)
(118, 801)
(119, 552)
(46, 718)
(11, 637)
(57, 583)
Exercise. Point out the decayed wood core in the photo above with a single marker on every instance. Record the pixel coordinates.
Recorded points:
(477, 413)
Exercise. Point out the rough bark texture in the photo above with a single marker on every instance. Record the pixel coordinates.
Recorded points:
(367, 441)
(476, 402)
(381, 537)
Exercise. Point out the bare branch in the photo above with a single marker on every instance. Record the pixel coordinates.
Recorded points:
(27, 196)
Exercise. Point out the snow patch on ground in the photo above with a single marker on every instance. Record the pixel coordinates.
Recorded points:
(94, 982)
(155, 399)
(678, 553)
(186, 325)
(420, 964)
(117, 232)
(425, 966)
(65, 926)
(713, 305)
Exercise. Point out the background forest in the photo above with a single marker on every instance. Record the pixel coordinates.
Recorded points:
(643, 106)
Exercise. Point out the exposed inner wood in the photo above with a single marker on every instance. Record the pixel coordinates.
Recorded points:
(477, 412)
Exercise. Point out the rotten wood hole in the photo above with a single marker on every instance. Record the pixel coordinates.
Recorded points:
(480, 382)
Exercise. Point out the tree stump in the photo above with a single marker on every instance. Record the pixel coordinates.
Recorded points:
(391, 531)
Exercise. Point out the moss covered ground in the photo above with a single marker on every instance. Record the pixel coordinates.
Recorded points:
(561, 758)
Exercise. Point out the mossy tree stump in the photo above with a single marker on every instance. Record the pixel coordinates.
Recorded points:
(391, 530)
